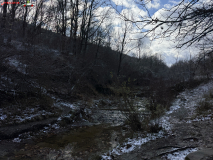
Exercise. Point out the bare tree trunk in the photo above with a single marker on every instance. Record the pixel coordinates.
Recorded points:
(75, 27)
(71, 18)
(83, 27)
(119, 64)
(96, 54)
(63, 11)
(62, 5)
(71, 23)
(88, 27)
(24, 22)
(11, 21)
(13, 10)
(36, 29)
(140, 43)
(122, 50)
(4, 14)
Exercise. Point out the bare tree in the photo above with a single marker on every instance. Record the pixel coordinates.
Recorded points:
(76, 16)
(4, 14)
(99, 37)
(140, 44)
(36, 27)
(25, 21)
(89, 25)
(13, 11)
(189, 22)
(123, 45)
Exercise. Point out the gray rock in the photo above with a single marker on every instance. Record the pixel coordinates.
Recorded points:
(201, 154)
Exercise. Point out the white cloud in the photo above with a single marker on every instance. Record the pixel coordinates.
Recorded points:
(174, 2)
(165, 47)
(125, 3)
(168, 6)
(153, 4)
(133, 13)
(168, 51)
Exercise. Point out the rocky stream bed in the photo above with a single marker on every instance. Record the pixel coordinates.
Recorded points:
(99, 133)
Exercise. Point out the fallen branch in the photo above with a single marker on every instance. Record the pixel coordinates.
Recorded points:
(169, 147)
(176, 150)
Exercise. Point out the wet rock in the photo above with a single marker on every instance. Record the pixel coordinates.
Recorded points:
(201, 154)
(210, 146)
(112, 157)
(183, 99)
(13, 131)
(128, 146)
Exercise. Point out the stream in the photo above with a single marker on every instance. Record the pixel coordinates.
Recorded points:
(106, 136)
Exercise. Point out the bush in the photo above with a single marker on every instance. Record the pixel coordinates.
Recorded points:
(206, 104)
(155, 128)
(129, 110)
(181, 113)
(156, 110)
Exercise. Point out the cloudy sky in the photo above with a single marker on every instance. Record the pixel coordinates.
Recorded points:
(164, 47)
(134, 11)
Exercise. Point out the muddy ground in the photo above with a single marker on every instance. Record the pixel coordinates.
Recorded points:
(184, 136)
(86, 139)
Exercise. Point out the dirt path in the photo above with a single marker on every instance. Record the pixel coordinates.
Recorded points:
(185, 138)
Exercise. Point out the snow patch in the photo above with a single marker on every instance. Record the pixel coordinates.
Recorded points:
(201, 118)
(17, 140)
(55, 126)
(3, 117)
(132, 144)
(66, 104)
(17, 64)
(180, 155)
(187, 99)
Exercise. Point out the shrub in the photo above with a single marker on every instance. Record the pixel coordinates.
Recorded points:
(155, 128)
(207, 104)
(181, 113)
(128, 109)
(204, 106)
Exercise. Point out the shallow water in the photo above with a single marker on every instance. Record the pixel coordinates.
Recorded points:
(82, 140)
(86, 142)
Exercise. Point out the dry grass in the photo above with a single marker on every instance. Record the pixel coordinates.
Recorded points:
(27, 107)
(205, 106)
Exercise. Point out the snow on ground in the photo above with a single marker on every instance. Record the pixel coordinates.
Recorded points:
(2, 117)
(14, 62)
(201, 118)
(17, 140)
(180, 155)
(4, 81)
(187, 99)
(22, 115)
(55, 126)
(21, 47)
(131, 144)
(66, 104)
(30, 116)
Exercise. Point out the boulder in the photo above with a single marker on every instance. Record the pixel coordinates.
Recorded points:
(203, 154)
